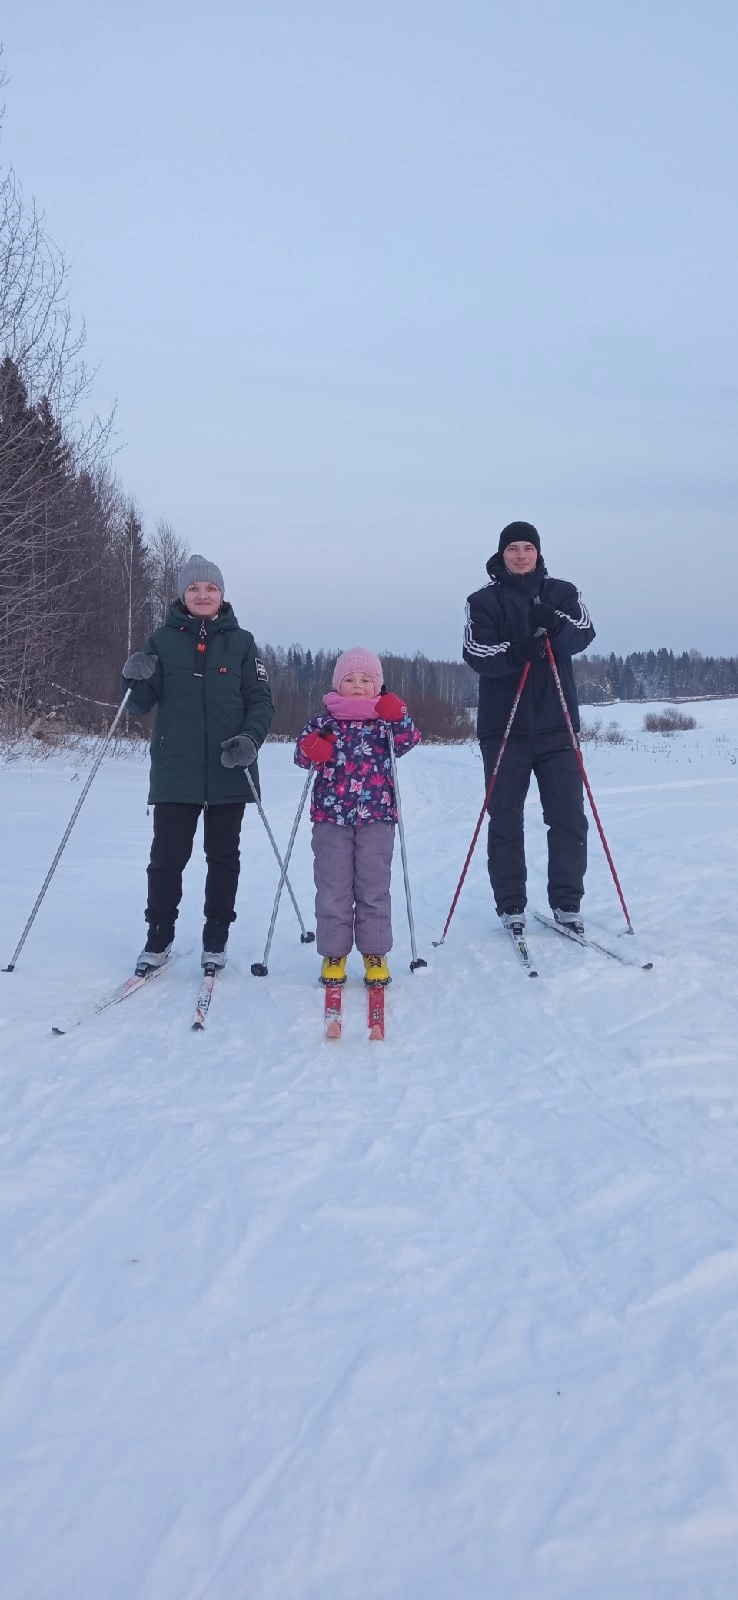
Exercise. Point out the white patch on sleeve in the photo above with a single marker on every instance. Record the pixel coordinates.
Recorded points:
(261, 671)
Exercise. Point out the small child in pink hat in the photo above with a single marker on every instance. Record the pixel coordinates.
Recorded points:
(354, 812)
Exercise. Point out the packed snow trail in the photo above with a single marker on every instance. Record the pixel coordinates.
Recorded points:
(453, 1315)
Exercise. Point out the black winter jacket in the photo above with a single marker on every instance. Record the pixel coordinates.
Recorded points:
(209, 685)
(498, 616)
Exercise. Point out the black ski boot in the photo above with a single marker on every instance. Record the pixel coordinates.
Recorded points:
(158, 945)
(214, 941)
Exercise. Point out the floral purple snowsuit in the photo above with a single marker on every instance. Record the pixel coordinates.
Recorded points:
(353, 811)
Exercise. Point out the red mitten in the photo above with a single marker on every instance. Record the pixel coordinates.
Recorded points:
(318, 747)
(390, 708)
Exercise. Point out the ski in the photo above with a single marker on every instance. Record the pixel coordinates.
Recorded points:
(204, 998)
(376, 1010)
(522, 952)
(594, 941)
(131, 986)
(332, 1012)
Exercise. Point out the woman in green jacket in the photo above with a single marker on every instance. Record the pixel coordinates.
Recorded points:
(213, 710)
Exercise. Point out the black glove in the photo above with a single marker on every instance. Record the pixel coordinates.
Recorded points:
(139, 667)
(530, 649)
(238, 752)
(543, 616)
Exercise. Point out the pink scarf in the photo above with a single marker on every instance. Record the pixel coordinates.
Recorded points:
(350, 707)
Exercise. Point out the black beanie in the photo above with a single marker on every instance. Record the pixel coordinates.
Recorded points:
(516, 532)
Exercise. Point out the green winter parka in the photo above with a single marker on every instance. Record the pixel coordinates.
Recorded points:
(209, 685)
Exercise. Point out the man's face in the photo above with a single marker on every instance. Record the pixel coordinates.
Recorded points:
(520, 556)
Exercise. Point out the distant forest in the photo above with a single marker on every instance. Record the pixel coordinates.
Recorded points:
(655, 675)
(442, 695)
(82, 582)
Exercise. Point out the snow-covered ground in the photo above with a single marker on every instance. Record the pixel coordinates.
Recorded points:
(454, 1317)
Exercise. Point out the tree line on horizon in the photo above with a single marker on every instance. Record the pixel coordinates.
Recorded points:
(655, 675)
(442, 695)
(82, 583)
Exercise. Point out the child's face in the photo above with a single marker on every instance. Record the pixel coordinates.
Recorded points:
(358, 684)
(203, 600)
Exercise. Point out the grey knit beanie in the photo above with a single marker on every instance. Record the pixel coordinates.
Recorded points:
(198, 570)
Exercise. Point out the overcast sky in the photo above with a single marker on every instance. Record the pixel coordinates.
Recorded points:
(369, 280)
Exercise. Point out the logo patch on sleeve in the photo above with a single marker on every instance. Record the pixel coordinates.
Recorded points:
(261, 671)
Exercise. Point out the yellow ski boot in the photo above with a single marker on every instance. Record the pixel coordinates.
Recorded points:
(333, 969)
(376, 969)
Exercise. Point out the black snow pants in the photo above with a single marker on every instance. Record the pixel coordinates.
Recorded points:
(174, 835)
(552, 759)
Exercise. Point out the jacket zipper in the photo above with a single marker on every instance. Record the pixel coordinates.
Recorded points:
(202, 645)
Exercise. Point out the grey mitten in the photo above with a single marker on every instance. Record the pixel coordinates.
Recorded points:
(238, 752)
(139, 667)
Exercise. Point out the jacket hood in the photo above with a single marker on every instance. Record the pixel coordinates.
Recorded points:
(527, 584)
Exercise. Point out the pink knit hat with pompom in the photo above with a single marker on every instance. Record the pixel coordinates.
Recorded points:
(358, 660)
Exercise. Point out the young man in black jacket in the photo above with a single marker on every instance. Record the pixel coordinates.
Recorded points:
(507, 623)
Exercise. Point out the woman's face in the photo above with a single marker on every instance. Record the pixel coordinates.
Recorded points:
(203, 600)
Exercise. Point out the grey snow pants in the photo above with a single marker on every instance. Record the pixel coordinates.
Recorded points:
(352, 869)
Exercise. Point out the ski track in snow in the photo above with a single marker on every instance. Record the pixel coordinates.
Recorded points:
(451, 1316)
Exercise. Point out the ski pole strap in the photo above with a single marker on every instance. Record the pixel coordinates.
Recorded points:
(585, 780)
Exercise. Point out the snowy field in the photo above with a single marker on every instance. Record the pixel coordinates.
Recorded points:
(452, 1317)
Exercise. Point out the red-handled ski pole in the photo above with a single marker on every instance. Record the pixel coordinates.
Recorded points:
(490, 787)
(585, 780)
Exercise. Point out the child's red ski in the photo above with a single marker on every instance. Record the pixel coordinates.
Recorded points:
(333, 999)
(376, 1010)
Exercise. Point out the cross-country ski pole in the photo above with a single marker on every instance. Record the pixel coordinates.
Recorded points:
(417, 961)
(585, 779)
(261, 968)
(490, 787)
(306, 937)
(52, 869)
